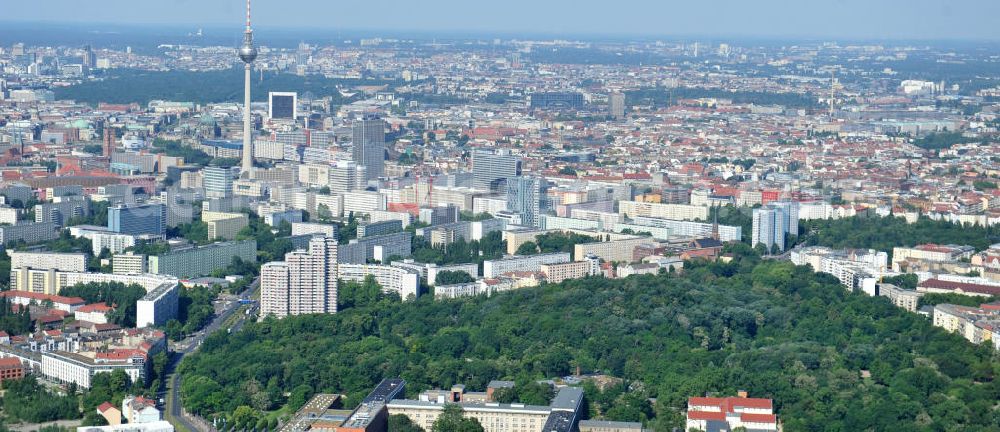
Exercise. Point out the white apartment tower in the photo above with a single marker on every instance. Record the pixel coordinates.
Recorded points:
(768, 228)
(304, 283)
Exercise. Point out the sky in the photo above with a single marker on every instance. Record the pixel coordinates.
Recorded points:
(829, 19)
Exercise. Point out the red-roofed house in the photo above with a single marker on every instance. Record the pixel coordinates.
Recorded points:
(110, 413)
(726, 414)
(65, 304)
(11, 368)
(938, 286)
(96, 313)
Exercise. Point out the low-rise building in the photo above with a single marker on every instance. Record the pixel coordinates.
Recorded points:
(137, 409)
(937, 285)
(25, 298)
(901, 298)
(730, 413)
(11, 368)
(560, 416)
(555, 273)
(977, 325)
(498, 267)
(929, 252)
(392, 279)
(96, 313)
(157, 426)
(609, 426)
(621, 250)
(129, 351)
(638, 269)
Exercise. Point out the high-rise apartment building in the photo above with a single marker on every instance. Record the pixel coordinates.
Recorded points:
(304, 283)
(616, 105)
(525, 197)
(490, 170)
(790, 215)
(218, 182)
(369, 145)
(769, 228)
(347, 176)
(143, 219)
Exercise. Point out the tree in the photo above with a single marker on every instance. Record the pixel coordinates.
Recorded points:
(299, 397)
(323, 212)
(245, 417)
(904, 281)
(527, 248)
(566, 170)
(116, 294)
(449, 277)
(28, 401)
(653, 336)
(452, 420)
(402, 423)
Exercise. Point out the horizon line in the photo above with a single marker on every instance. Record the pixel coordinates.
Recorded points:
(471, 34)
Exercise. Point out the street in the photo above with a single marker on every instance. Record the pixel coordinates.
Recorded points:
(173, 405)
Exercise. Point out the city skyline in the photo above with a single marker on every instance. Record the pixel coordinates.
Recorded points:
(500, 217)
(779, 19)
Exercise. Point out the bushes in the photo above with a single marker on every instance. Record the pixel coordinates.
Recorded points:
(26, 400)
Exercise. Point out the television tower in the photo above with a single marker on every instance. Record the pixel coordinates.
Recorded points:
(247, 53)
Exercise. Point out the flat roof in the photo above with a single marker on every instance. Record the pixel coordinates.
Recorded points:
(568, 398)
(486, 407)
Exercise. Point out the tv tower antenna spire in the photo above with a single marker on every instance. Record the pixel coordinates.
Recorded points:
(247, 53)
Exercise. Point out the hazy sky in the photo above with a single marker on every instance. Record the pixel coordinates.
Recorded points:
(843, 19)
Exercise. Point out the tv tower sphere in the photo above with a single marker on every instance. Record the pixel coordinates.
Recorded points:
(248, 52)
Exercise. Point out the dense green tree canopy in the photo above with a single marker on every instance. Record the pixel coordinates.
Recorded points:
(27, 400)
(116, 294)
(451, 420)
(768, 327)
(449, 277)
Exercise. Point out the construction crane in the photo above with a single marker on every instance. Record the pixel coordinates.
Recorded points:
(423, 172)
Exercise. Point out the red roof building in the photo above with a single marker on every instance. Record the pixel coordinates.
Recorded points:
(724, 414)
(946, 287)
(11, 368)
